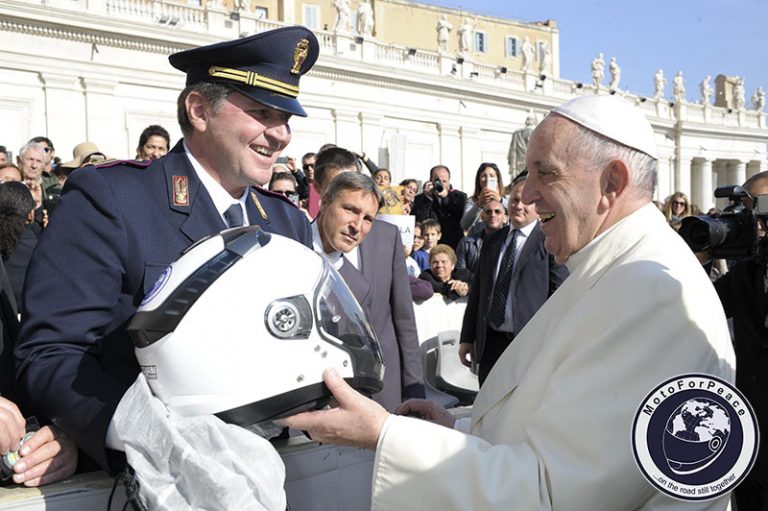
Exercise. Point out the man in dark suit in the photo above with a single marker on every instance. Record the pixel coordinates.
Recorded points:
(442, 202)
(468, 252)
(742, 292)
(369, 255)
(119, 225)
(514, 278)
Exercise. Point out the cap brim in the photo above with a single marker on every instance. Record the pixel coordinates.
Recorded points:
(270, 99)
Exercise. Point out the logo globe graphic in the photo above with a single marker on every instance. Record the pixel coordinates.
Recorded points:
(695, 435)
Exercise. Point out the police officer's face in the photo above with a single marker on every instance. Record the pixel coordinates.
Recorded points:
(345, 222)
(241, 141)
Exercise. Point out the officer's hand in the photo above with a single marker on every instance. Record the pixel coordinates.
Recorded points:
(48, 456)
(426, 410)
(12, 426)
(465, 353)
(356, 421)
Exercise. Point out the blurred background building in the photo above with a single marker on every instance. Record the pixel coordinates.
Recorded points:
(409, 84)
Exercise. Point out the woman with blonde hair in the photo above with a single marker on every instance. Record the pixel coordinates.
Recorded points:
(677, 207)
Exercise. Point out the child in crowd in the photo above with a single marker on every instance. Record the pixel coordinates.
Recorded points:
(431, 232)
(418, 253)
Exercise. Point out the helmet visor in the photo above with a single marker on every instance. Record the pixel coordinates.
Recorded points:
(341, 321)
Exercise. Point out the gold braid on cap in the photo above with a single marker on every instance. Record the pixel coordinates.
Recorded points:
(254, 80)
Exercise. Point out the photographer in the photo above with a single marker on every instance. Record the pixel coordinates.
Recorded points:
(743, 293)
(443, 203)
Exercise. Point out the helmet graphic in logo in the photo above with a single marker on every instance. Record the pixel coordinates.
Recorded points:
(695, 435)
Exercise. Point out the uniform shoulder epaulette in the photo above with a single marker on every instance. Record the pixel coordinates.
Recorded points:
(268, 193)
(128, 163)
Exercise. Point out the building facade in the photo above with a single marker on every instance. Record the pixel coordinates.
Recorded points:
(410, 85)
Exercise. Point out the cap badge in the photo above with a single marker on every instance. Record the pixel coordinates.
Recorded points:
(299, 56)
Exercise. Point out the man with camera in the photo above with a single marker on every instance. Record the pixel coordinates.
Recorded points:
(743, 292)
(443, 203)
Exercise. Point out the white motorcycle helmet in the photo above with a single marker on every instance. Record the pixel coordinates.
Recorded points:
(243, 325)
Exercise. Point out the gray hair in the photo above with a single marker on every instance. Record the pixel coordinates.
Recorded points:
(642, 167)
(214, 93)
(352, 181)
(33, 146)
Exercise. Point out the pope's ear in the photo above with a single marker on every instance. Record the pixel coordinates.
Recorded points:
(616, 179)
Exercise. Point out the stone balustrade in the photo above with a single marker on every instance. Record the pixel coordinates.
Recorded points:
(215, 21)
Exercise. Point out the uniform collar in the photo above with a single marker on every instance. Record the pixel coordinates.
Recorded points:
(221, 199)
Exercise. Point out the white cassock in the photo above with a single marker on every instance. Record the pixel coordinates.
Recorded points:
(552, 425)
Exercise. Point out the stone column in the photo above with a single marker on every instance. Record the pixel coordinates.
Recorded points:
(347, 127)
(737, 172)
(721, 178)
(450, 148)
(65, 111)
(665, 175)
(470, 150)
(702, 188)
(100, 109)
(683, 174)
(370, 143)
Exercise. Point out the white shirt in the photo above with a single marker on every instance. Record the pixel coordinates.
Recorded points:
(221, 198)
(335, 258)
(523, 234)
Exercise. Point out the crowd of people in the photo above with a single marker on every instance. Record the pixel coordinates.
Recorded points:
(89, 258)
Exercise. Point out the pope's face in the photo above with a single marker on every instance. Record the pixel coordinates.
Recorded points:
(242, 140)
(564, 187)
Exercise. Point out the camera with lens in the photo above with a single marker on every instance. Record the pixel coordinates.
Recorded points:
(438, 185)
(732, 234)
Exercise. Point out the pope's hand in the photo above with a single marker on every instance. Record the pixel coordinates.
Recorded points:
(356, 421)
(426, 410)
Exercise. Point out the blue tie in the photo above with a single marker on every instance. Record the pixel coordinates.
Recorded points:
(234, 216)
(503, 281)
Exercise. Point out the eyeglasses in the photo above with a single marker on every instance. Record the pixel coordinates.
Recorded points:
(287, 193)
(678, 203)
(493, 211)
(47, 149)
(308, 166)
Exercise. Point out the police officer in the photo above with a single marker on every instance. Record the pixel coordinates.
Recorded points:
(118, 226)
